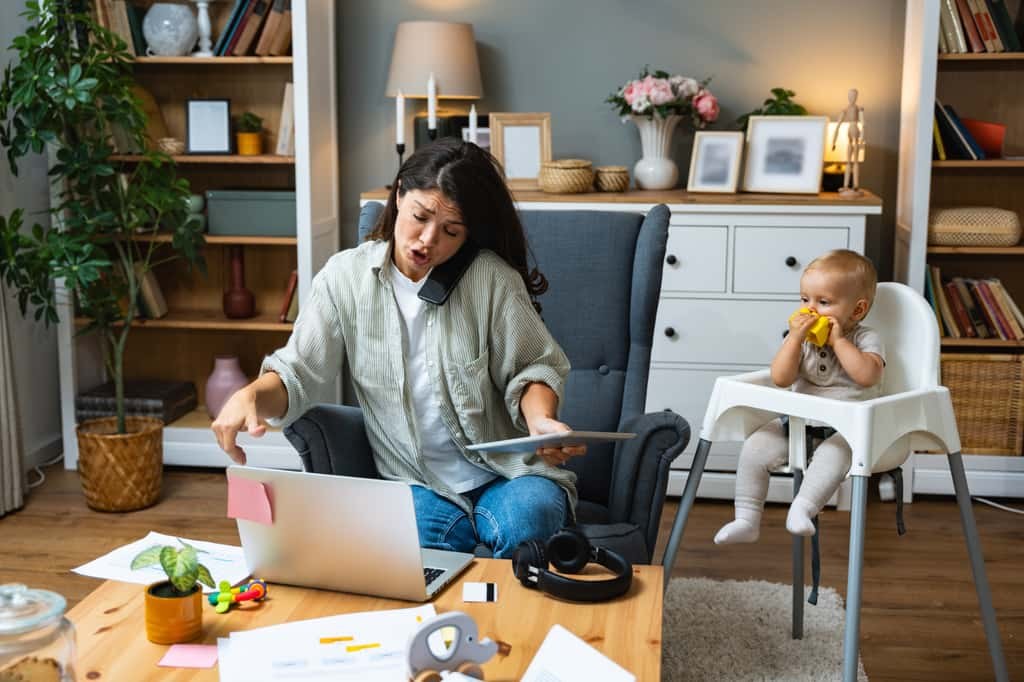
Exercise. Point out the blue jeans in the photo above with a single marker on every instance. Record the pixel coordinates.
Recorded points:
(505, 513)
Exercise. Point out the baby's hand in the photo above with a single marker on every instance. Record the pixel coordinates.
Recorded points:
(835, 331)
(801, 323)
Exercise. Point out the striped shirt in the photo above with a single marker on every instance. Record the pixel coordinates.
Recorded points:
(483, 347)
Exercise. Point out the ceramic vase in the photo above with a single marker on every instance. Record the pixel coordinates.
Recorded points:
(655, 169)
(170, 30)
(226, 378)
(239, 303)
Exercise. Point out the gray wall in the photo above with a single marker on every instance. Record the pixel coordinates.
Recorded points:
(566, 56)
(34, 345)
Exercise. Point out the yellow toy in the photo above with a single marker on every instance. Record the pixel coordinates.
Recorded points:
(818, 333)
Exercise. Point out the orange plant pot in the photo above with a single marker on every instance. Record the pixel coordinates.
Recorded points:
(173, 620)
(248, 144)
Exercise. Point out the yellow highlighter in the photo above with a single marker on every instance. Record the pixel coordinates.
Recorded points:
(818, 333)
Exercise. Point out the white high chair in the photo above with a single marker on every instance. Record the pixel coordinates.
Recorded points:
(913, 413)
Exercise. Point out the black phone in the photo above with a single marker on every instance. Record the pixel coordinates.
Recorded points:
(444, 277)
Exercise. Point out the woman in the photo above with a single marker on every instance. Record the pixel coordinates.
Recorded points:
(435, 378)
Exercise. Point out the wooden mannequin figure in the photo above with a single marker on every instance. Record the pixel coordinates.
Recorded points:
(854, 116)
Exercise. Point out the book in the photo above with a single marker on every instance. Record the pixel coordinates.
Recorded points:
(286, 126)
(251, 28)
(117, 15)
(943, 48)
(293, 308)
(977, 319)
(156, 126)
(1005, 330)
(222, 39)
(1011, 304)
(1004, 25)
(951, 26)
(947, 314)
(270, 28)
(959, 311)
(240, 27)
(135, 15)
(1003, 302)
(165, 400)
(975, 148)
(970, 29)
(986, 26)
(956, 148)
(993, 324)
(153, 301)
(289, 294)
(283, 40)
(929, 296)
(940, 149)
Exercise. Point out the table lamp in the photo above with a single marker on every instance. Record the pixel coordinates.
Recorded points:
(835, 160)
(432, 60)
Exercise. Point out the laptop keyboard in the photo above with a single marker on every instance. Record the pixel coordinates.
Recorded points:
(430, 574)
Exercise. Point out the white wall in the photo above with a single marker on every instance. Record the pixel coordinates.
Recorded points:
(34, 344)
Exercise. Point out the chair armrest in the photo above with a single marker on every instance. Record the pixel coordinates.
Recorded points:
(331, 439)
(641, 469)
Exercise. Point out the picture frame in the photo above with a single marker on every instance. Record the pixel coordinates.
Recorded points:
(208, 126)
(715, 161)
(784, 154)
(521, 142)
(483, 137)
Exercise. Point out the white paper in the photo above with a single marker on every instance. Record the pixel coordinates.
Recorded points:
(294, 651)
(225, 562)
(564, 657)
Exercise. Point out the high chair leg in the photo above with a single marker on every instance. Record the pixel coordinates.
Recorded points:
(798, 569)
(700, 458)
(988, 614)
(851, 634)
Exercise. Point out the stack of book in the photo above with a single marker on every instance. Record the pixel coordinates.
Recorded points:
(973, 308)
(978, 26)
(951, 139)
(124, 19)
(165, 400)
(261, 27)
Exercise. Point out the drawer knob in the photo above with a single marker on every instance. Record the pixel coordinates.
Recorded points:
(671, 259)
(670, 332)
(791, 261)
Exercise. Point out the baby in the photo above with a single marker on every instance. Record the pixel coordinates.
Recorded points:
(839, 286)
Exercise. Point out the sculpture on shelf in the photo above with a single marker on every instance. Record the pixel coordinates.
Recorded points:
(853, 115)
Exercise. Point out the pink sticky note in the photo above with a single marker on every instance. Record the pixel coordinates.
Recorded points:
(248, 500)
(190, 656)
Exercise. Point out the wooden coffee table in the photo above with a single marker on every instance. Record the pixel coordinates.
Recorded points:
(112, 642)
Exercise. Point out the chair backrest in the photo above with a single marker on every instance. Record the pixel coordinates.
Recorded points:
(604, 275)
(909, 331)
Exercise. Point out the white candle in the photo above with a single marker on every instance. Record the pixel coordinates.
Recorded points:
(431, 103)
(472, 124)
(400, 118)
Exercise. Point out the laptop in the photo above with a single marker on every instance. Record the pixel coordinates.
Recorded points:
(345, 534)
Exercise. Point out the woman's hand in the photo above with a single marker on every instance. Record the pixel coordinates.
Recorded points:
(238, 414)
(554, 456)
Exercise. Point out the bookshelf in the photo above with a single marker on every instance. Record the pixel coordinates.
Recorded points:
(182, 345)
(982, 86)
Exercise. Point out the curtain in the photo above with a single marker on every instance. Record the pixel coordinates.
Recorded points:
(12, 470)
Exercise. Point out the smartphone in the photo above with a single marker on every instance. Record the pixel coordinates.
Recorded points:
(444, 277)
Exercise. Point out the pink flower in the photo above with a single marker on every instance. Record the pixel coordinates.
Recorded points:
(630, 92)
(661, 92)
(706, 106)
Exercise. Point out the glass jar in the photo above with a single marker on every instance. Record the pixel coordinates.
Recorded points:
(36, 641)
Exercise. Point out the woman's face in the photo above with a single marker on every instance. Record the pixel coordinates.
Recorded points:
(428, 231)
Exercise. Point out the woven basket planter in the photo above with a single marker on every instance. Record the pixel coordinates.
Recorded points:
(121, 472)
(566, 176)
(973, 226)
(611, 178)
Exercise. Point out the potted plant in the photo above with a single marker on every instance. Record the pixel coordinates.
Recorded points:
(174, 607)
(779, 104)
(248, 134)
(68, 90)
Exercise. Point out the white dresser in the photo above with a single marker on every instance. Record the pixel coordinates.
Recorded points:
(731, 280)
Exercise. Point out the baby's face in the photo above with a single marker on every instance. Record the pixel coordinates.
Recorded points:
(831, 294)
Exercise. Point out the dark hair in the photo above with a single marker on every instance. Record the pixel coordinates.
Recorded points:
(472, 178)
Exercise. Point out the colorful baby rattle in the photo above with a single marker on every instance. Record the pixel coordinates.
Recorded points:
(818, 333)
(254, 590)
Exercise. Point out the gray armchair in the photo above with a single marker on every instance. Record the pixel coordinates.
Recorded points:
(604, 270)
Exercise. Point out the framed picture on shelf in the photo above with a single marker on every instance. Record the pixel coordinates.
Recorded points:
(715, 162)
(483, 137)
(208, 126)
(521, 143)
(784, 154)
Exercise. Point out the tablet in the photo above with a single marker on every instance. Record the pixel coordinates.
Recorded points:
(551, 440)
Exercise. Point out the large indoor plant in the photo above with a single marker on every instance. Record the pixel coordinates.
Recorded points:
(67, 92)
(657, 102)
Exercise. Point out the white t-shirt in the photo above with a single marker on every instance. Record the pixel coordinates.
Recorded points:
(440, 452)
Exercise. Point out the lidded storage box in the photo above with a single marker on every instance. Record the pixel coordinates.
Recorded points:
(973, 226)
(260, 213)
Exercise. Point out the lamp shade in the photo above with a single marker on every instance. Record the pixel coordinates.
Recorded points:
(448, 50)
(838, 155)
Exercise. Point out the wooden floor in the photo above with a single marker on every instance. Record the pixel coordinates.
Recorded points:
(920, 618)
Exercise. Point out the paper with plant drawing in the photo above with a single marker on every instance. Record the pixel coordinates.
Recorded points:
(225, 562)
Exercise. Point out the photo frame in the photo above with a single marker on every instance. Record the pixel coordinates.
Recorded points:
(784, 154)
(715, 161)
(521, 142)
(483, 137)
(208, 126)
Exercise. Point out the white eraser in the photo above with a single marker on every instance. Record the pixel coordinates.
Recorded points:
(479, 592)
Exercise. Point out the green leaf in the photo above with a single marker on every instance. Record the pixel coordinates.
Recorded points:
(205, 577)
(147, 557)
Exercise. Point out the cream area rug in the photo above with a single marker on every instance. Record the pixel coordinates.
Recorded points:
(740, 630)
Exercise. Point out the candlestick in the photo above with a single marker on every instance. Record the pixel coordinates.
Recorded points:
(432, 104)
(400, 148)
(400, 119)
(472, 124)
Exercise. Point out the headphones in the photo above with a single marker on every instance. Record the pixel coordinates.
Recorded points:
(569, 551)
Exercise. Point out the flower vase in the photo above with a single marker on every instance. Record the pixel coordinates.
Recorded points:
(655, 170)
(239, 302)
(226, 378)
